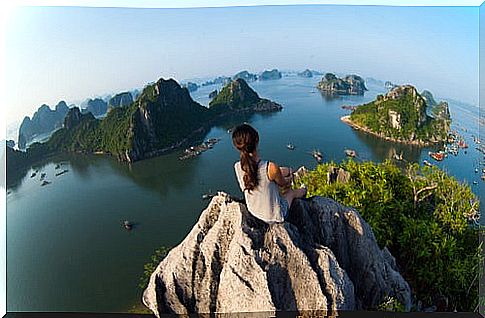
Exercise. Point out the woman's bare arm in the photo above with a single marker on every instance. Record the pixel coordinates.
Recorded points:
(274, 174)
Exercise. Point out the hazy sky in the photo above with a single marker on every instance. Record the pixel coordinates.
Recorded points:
(72, 53)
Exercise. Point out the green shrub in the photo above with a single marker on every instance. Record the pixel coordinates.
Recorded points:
(423, 217)
(150, 266)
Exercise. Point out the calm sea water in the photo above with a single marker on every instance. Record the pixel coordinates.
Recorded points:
(66, 249)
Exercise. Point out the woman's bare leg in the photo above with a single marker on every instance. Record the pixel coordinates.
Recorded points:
(287, 174)
(292, 194)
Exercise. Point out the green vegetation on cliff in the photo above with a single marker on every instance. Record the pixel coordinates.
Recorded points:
(149, 267)
(401, 116)
(238, 96)
(163, 114)
(235, 95)
(423, 216)
(163, 117)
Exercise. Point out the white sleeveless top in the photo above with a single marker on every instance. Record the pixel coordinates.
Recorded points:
(265, 201)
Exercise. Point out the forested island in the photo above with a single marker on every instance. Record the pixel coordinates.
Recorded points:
(349, 85)
(162, 118)
(401, 115)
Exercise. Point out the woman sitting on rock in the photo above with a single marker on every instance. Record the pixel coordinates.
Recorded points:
(266, 186)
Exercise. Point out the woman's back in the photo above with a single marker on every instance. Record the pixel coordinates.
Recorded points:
(264, 201)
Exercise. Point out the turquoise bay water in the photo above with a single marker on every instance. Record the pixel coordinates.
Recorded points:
(66, 248)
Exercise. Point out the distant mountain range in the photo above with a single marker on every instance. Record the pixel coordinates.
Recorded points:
(235, 96)
(97, 107)
(309, 73)
(44, 120)
(273, 74)
(120, 100)
(162, 118)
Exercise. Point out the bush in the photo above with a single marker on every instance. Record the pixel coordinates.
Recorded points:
(150, 267)
(423, 216)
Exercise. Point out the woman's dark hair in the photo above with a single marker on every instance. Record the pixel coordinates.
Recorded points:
(245, 138)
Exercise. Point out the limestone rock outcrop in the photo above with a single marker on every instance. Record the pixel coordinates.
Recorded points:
(268, 75)
(121, 100)
(349, 85)
(324, 256)
(237, 96)
(45, 120)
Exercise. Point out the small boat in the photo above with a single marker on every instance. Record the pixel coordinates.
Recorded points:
(44, 183)
(127, 225)
(42, 175)
(33, 174)
(207, 196)
(462, 144)
(58, 166)
(230, 130)
(398, 156)
(427, 163)
(438, 156)
(317, 155)
(350, 153)
(476, 170)
(483, 177)
(189, 155)
(213, 140)
(348, 107)
(290, 146)
(475, 182)
(62, 172)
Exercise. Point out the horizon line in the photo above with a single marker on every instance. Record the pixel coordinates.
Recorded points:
(181, 82)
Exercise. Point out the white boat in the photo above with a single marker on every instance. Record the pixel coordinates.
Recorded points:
(290, 146)
(207, 196)
(62, 172)
(317, 155)
(427, 163)
(127, 225)
(350, 153)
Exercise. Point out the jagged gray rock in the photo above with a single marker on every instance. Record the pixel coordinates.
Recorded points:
(324, 257)
(336, 174)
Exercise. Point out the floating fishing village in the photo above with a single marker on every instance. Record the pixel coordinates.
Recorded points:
(195, 151)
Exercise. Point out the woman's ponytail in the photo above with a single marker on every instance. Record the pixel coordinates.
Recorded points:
(245, 138)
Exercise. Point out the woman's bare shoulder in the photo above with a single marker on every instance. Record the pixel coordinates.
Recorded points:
(273, 165)
(273, 169)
